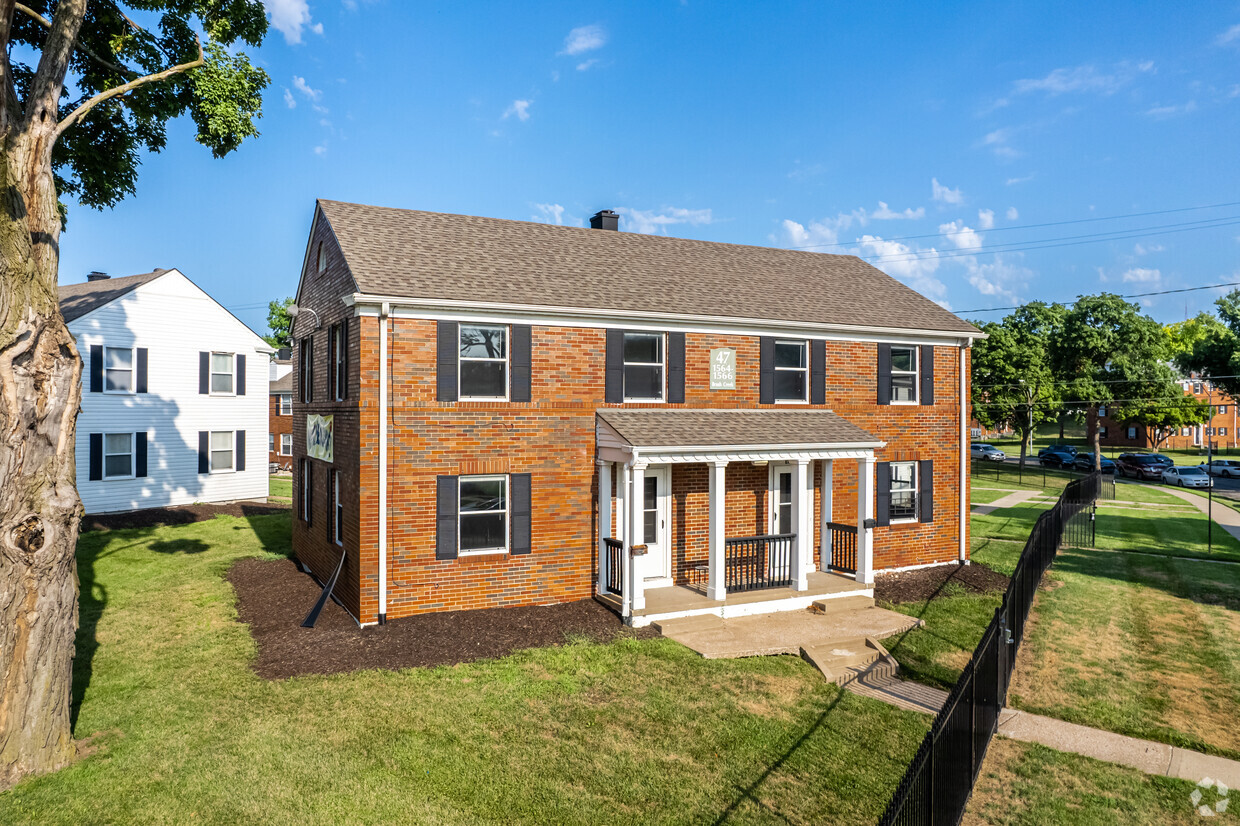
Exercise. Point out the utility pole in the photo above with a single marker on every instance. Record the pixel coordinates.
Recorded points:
(1209, 476)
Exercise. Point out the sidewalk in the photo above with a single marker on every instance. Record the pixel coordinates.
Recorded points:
(1227, 518)
(1010, 501)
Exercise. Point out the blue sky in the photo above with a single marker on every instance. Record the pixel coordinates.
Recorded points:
(838, 127)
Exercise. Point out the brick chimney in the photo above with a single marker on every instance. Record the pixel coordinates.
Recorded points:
(95, 275)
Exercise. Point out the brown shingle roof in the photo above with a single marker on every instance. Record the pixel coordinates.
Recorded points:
(429, 255)
(76, 300)
(711, 428)
(284, 384)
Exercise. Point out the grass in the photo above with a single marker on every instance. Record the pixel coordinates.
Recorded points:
(985, 497)
(630, 731)
(282, 487)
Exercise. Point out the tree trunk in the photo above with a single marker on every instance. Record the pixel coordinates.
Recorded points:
(1093, 414)
(40, 392)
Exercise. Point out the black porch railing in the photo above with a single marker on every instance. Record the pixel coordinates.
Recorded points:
(937, 785)
(613, 574)
(753, 562)
(843, 547)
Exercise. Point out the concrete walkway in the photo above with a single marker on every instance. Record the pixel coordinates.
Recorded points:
(1013, 499)
(1226, 518)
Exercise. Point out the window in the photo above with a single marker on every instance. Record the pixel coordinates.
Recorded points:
(1222, 408)
(903, 375)
(271, 442)
(1222, 431)
(483, 370)
(305, 353)
(321, 262)
(1184, 431)
(791, 371)
(903, 491)
(1102, 410)
(650, 508)
(286, 444)
(1132, 433)
(286, 404)
(222, 373)
(1197, 387)
(304, 491)
(338, 519)
(117, 455)
(221, 451)
(340, 367)
(118, 370)
(643, 366)
(1102, 431)
(483, 514)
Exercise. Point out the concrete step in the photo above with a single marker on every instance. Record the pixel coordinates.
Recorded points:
(846, 660)
(881, 669)
(682, 625)
(832, 605)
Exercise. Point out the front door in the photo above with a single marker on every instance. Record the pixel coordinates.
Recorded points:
(656, 521)
(780, 498)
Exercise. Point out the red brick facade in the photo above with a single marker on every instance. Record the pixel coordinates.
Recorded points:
(280, 425)
(1220, 430)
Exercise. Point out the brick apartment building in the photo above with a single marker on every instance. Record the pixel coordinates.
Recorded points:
(491, 412)
(1220, 430)
(281, 414)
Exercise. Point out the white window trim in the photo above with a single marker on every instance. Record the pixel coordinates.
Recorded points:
(212, 373)
(662, 363)
(776, 368)
(285, 411)
(915, 373)
(289, 437)
(507, 361)
(133, 371)
(1131, 433)
(337, 510)
(211, 451)
(507, 514)
(132, 457)
(916, 517)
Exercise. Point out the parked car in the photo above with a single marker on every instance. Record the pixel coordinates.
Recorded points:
(987, 452)
(1226, 468)
(1085, 462)
(1058, 448)
(1139, 466)
(1165, 461)
(1057, 457)
(1186, 477)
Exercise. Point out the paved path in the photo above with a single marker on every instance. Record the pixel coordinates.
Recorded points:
(1227, 518)
(1010, 501)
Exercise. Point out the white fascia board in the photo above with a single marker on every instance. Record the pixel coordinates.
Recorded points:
(683, 454)
(502, 313)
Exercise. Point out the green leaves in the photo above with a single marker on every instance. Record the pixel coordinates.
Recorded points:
(227, 99)
(1210, 346)
(279, 323)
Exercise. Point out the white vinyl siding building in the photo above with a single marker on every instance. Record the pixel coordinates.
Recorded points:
(144, 409)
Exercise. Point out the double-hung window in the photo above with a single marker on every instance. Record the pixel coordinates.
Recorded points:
(305, 487)
(222, 373)
(903, 492)
(222, 442)
(337, 510)
(271, 442)
(483, 370)
(340, 367)
(643, 366)
(1132, 433)
(483, 526)
(791, 371)
(286, 404)
(903, 374)
(117, 455)
(305, 353)
(118, 370)
(286, 444)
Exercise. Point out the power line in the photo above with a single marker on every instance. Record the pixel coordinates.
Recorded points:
(1127, 295)
(1117, 381)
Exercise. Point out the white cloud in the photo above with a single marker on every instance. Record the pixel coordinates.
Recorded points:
(997, 278)
(883, 213)
(583, 66)
(998, 142)
(915, 267)
(289, 99)
(1229, 36)
(520, 108)
(550, 214)
(986, 218)
(961, 236)
(299, 83)
(1142, 275)
(320, 150)
(943, 194)
(655, 222)
(1083, 79)
(817, 234)
(1012, 214)
(289, 17)
(1021, 180)
(584, 39)
(1146, 249)
(1171, 111)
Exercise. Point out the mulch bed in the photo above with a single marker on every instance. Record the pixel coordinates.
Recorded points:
(273, 597)
(180, 515)
(925, 583)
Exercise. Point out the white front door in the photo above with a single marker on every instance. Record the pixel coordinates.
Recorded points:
(780, 498)
(655, 503)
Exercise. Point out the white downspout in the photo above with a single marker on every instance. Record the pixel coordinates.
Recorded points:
(383, 468)
(964, 454)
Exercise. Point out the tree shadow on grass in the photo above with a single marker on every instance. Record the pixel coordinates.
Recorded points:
(1203, 582)
(274, 530)
(179, 546)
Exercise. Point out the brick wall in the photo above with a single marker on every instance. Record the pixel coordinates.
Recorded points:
(278, 425)
(1222, 427)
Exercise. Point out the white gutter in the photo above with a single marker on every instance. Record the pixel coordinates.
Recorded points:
(383, 468)
(964, 456)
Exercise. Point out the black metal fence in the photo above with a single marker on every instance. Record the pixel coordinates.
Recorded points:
(843, 547)
(614, 573)
(937, 784)
(752, 562)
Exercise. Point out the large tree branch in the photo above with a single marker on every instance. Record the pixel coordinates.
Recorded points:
(8, 96)
(78, 113)
(42, 105)
(47, 24)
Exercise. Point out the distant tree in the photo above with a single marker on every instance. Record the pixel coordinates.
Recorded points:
(1014, 384)
(1209, 346)
(279, 323)
(1162, 416)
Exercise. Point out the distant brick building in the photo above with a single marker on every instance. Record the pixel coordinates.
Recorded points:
(280, 413)
(1220, 430)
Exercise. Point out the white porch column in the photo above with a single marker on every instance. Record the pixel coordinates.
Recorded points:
(604, 521)
(637, 526)
(824, 532)
(716, 587)
(865, 512)
(802, 523)
(622, 526)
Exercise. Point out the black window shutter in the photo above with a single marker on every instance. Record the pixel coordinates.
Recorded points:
(614, 393)
(204, 451)
(676, 368)
(239, 462)
(882, 493)
(925, 494)
(447, 504)
(522, 355)
(766, 370)
(204, 373)
(96, 368)
(141, 385)
(884, 374)
(240, 374)
(139, 455)
(927, 375)
(96, 457)
(449, 351)
(817, 372)
(519, 490)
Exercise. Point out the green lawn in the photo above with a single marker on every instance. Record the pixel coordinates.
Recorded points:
(282, 487)
(978, 496)
(627, 732)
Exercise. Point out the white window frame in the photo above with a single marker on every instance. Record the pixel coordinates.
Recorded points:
(915, 373)
(132, 371)
(285, 404)
(662, 363)
(506, 361)
(271, 443)
(461, 512)
(1102, 410)
(1220, 409)
(132, 458)
(804, 344)
(916, 517)
(303, 489)
(286, 440)
(212, 373)
(337, 510)
(232, 452)
(1131, 432)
